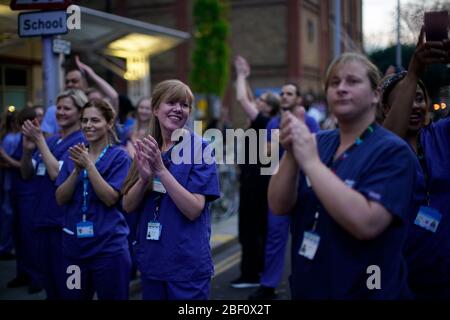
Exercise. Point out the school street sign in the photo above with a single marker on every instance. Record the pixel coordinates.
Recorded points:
(42, 23)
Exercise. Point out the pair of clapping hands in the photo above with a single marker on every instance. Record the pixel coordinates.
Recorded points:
(296, 138)
(31, 134)
(148, 158)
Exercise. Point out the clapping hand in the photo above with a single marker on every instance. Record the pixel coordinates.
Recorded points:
(296, 138)
(142, 160)
(155, 159)
(80, 156)
(32, 130)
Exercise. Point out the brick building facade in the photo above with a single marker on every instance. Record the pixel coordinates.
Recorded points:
(284, 40)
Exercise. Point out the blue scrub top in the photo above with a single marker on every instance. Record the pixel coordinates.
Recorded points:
(382, 169)
(49, 123)
(274, 123)
(19, 186)
(9, 144)
(428, 253)
(110, 227)
(183, 252)
(48, 213)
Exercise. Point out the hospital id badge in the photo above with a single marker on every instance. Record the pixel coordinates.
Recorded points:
(41, 169)
(85, 229)
(310, 244)
(158, 186)
(153, 230)
(428, 218)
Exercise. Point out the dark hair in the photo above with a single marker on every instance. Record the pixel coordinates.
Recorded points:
(107, 111)
(296, 86)
(24, 115)
(125, 106)
(388, 83)
(274, 101)
(75, 68)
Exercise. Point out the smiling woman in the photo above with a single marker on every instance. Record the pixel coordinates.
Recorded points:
(406, 107)
(173, 233)
(95, 236)
(47, 162)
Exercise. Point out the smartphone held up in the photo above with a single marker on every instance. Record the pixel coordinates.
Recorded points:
(436, 25)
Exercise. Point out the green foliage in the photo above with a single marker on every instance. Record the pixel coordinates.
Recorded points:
(211, 53)
(434, 78)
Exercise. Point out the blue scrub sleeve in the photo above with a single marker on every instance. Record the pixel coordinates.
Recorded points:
(390, 181)
(10, 142)
(65, 170)
(203, 179)
(311, 123)
(117, 172)
(274, 124)
(49, 123)
(443, 127)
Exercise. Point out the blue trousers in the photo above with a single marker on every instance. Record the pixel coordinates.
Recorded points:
(51, 261)
(275, 250)
(175, 290)
(109, 277)
(6, 221)
(25, 238)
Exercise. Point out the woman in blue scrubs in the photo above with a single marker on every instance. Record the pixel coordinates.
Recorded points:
(405, 105)
(95, 230)
(23, 201)
(44, 166)
(172, 247)
(349, 220)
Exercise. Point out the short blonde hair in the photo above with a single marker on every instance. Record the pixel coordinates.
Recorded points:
(372, 71)
(78, 97)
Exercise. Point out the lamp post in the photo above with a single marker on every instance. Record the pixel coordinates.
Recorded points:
(398, 58)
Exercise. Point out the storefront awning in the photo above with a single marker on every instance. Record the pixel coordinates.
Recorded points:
(100, 32)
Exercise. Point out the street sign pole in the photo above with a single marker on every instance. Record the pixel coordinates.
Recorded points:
(50, 72)
(45, 24)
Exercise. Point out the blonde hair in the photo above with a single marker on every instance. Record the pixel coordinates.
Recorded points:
(166, 91)
(78, 97)
(372, 71)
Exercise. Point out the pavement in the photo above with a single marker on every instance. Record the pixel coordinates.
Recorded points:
(223, 235)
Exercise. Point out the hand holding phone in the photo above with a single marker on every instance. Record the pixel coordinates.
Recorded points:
(436, 25)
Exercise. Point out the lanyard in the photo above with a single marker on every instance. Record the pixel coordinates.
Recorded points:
(423, 164)
(158, 199)
(334, 164)
(84, 206)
